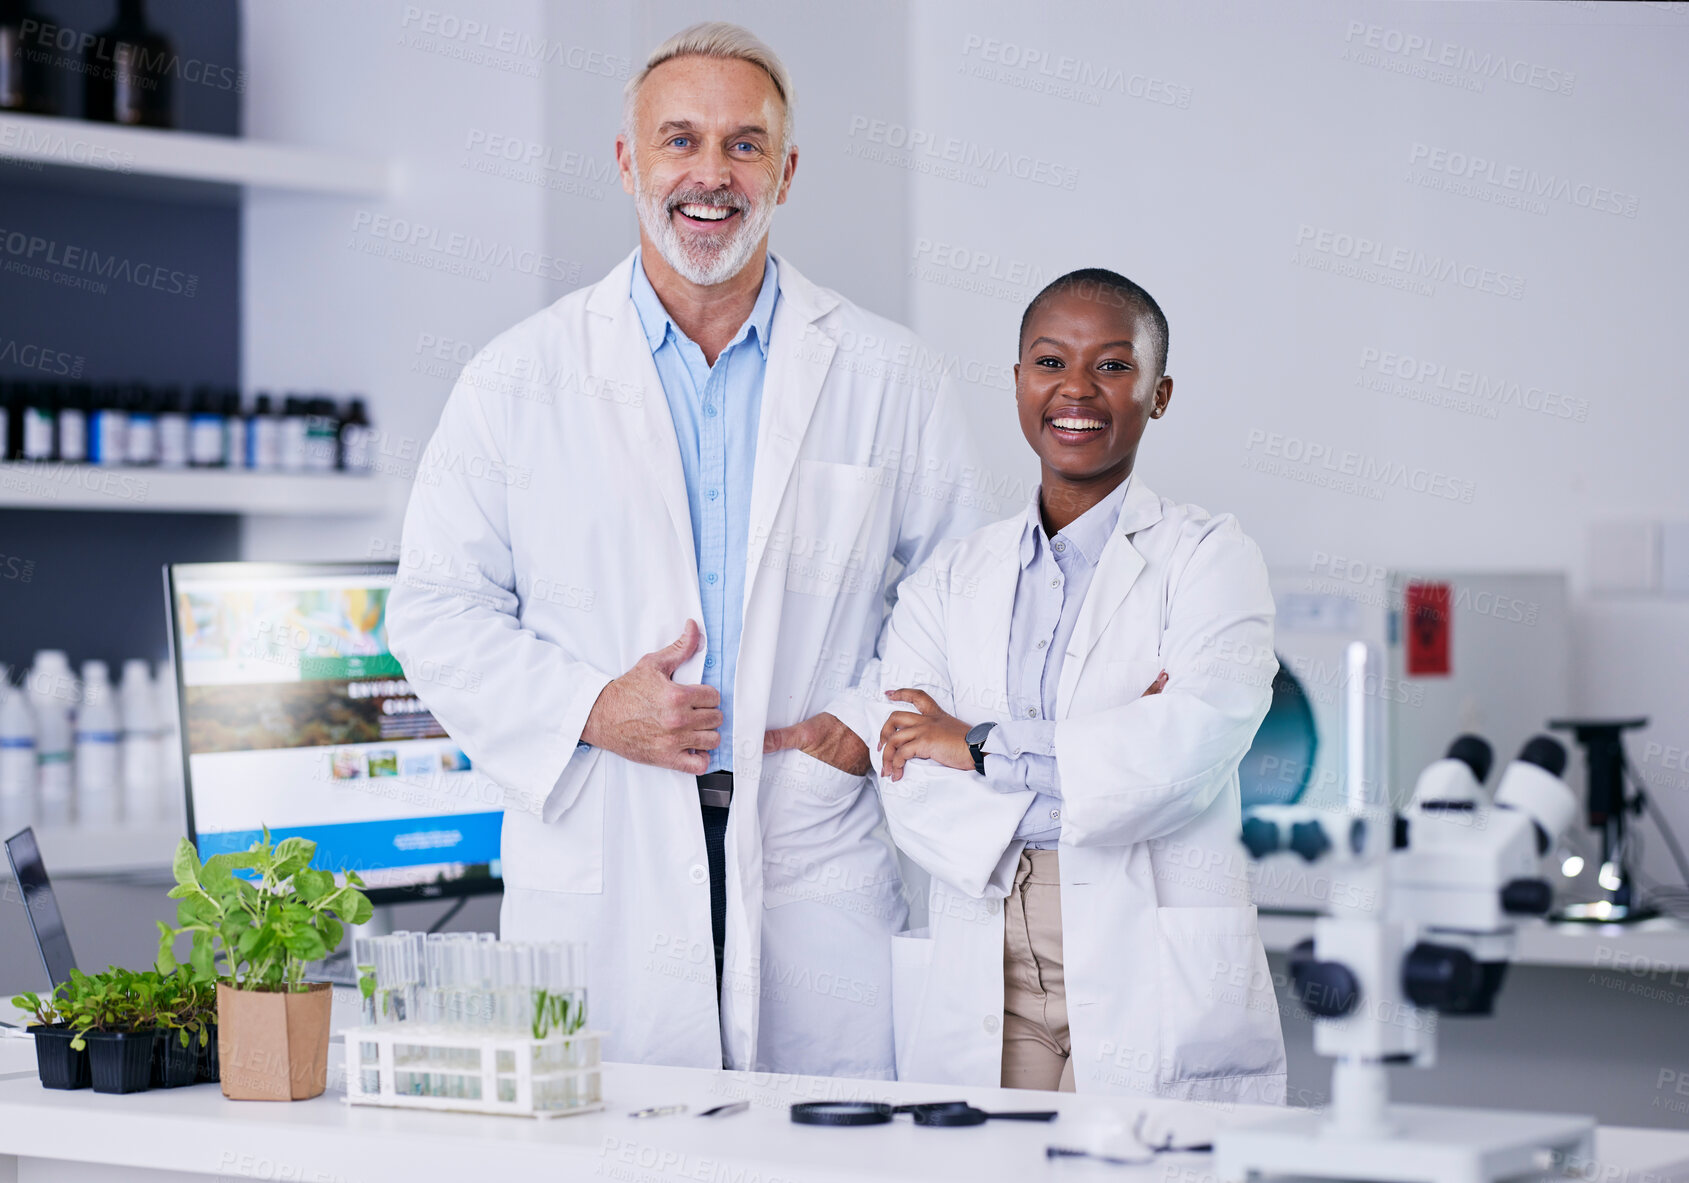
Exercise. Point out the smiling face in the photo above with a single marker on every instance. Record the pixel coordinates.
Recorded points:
(1087, 383)
(704, 163)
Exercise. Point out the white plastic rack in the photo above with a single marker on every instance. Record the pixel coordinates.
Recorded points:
(420, 1066)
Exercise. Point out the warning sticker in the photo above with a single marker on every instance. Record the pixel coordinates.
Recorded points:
(1427, 611)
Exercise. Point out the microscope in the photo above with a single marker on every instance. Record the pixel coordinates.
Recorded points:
(1420, 925)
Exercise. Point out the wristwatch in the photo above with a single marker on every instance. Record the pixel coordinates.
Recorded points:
(976, 744)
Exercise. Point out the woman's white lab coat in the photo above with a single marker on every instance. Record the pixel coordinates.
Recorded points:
(548, 546)
(1168, 991)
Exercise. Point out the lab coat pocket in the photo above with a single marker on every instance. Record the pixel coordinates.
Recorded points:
(911, 962)
(818, 827)
(830, 550)
(1219, 1017)
(566, 855)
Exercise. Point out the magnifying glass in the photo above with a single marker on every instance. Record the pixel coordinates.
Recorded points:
(960, 1113)
(839, 1113)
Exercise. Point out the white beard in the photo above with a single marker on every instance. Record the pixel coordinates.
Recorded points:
(709, 260)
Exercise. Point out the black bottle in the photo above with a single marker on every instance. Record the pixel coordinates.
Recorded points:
(355, 438)
(28, 56)
(127, 72)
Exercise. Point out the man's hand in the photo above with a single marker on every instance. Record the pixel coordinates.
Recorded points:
(649, 718)
(931, 735)
(824, 737)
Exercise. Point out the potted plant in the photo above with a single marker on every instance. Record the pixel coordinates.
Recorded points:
(251, 935)
(59, 1065)
(114, 1016)
(187, 1022)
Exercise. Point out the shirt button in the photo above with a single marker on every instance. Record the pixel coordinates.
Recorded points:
(699, 873)
(991, 907)
(1055, 815)
(1059, 545)
(710, 410)
(1055, 583)
(709, 662)
(710, 578)
(714, 493)
(992, 1022)
(1031, 712)
(1041, 644)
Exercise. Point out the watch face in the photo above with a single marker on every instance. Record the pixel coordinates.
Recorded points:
(978, 732)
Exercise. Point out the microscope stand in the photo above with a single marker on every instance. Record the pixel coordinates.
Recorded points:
(1429, 1144)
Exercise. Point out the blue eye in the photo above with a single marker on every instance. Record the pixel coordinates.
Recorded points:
(747, 145)
(680, 142)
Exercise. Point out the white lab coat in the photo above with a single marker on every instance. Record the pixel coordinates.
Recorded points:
(548, 546)
(1168, 991)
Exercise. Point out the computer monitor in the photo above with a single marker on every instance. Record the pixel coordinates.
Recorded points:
(295, 716)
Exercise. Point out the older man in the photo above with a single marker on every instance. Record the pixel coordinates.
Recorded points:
(663, 517)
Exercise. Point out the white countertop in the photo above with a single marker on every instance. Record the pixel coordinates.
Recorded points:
(196, 1130)
(1649, 946)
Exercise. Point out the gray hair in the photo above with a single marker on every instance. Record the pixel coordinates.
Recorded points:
(727, 41)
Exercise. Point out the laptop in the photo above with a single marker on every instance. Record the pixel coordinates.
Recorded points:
(41, 905)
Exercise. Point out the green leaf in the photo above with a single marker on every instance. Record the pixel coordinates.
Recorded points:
(185, 865)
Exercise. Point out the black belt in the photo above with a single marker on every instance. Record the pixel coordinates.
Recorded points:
(716, 789)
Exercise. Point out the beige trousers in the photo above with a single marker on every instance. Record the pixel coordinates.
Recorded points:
(1036, 1047)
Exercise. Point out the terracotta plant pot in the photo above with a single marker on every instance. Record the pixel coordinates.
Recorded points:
(273, 1046)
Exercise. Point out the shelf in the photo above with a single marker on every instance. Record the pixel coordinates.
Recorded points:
(74, 851)
(25, 485)
(181, 163)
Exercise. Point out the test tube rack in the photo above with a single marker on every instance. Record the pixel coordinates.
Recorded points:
(423, 1066)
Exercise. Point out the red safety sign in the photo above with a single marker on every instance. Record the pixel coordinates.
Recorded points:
(1428, 611)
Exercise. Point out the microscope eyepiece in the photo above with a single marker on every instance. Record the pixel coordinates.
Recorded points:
(1475, 752)
(1546, 752)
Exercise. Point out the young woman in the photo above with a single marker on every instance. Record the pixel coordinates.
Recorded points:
(1068, 696)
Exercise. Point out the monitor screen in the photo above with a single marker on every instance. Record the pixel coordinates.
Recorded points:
(296, 717)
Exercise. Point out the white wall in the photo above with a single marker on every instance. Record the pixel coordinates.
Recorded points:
(415, 85)
(1226, 154)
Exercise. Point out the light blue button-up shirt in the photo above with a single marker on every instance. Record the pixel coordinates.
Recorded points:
(1055, 574)
(715, 411)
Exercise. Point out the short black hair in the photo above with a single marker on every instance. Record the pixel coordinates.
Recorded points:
(1092, 283)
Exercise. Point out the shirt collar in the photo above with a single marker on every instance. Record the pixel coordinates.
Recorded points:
(1089, 531)
(657, 322)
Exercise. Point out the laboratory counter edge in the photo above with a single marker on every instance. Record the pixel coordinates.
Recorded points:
(195, 1133)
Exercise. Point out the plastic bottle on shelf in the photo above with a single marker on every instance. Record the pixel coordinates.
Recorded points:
(322, 435)
(170, 783)
(356, 438)
(73, 425)
(291, 448)
(141, 440)
(205, 430)
(108, 428)
(52, 695)
(172, 430)
(17, 758)
(234, 431)
(99, 800)
(37, 404)
(141, 744)
(263, 436)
